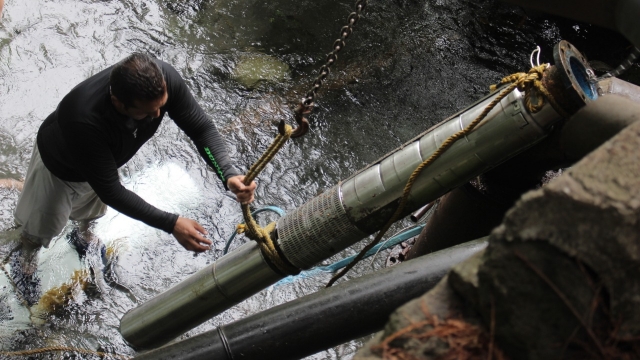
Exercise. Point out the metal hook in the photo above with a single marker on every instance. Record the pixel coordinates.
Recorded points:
(303, 124)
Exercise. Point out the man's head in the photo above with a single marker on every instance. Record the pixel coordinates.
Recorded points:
(138, 88)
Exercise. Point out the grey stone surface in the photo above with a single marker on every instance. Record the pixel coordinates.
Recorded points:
(592, 213)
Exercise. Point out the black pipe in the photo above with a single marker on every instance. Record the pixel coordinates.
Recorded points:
(324, 319)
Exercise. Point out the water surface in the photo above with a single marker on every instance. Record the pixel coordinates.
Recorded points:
(408, 65)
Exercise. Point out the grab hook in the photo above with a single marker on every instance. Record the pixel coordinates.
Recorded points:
(303, 124)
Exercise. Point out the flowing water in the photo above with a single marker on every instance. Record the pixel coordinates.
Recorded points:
(408, 65)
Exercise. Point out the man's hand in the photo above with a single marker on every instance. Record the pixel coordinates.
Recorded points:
(191, 235)
(244, 193)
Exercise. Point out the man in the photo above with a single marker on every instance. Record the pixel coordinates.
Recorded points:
(97, 128)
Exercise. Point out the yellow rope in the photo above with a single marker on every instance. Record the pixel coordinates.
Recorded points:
(526, 82)
(62, 349)
(251, 228)
(271, 151)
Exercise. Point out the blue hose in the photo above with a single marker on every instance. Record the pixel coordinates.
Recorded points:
(270, 208)
(394, 240)
(403, 236)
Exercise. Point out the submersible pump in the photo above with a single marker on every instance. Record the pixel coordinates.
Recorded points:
(360, 205)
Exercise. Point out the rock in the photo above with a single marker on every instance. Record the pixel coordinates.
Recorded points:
(562, 272)
(441, 302)
(254, 68)
(464, 278)
(434, 326)
(592, 213)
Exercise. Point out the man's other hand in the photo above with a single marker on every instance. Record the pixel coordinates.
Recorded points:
(244, 193)
(191, 235)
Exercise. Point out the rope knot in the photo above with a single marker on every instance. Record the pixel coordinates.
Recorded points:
(530, 83)
(531, 78)
(250, 228)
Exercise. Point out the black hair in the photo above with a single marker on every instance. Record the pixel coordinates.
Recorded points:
(137, 77)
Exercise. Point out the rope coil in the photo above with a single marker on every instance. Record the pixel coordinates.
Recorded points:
(530, 83)
(251, 228)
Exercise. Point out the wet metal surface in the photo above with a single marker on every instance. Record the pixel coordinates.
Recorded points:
(408, 65)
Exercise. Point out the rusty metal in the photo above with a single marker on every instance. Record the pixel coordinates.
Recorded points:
(418, 214)
(303, 123)
(576, 75)
(615, 86)
(552, 81)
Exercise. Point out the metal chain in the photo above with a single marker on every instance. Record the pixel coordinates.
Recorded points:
(307, 103)
(624, 66)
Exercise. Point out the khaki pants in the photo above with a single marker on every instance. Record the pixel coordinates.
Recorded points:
(47, 203)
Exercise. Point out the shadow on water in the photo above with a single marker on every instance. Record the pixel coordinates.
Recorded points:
(408, 65)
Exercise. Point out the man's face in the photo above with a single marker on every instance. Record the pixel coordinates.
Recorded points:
(142, 110)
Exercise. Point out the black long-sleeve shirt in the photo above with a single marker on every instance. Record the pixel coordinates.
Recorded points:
(86, 139)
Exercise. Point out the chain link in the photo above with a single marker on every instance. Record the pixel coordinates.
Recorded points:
(307, 103)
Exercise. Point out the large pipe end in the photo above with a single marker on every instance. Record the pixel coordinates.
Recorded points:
(596, 123)
(576, 75)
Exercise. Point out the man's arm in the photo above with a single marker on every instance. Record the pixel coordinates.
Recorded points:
(94, 160)
(191, 118)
